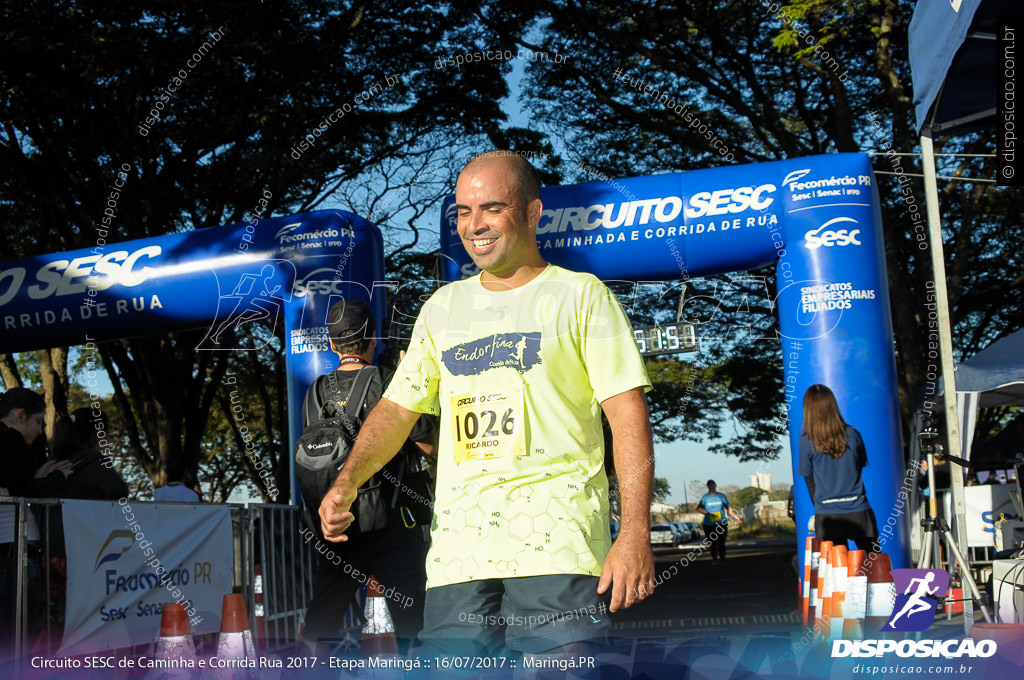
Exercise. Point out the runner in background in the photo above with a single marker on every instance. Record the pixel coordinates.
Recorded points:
(716, 510)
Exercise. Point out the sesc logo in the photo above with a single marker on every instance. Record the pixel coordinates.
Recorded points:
(724, 201)
(823, 236)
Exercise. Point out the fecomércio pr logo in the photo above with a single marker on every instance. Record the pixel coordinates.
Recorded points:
(915, 607)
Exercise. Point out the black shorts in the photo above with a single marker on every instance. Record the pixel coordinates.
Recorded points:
(859, 527)
(530, 614)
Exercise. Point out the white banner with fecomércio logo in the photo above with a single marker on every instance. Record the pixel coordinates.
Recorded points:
(125, 561)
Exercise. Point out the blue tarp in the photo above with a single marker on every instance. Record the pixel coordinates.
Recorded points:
(953, 62)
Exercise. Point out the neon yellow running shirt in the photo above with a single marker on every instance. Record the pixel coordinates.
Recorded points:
(517, 377)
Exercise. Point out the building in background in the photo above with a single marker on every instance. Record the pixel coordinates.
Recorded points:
(762, 480)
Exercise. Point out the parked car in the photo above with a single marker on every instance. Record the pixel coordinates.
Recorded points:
(614, 526)
(695, 532)
(662, 536)
(682, 533)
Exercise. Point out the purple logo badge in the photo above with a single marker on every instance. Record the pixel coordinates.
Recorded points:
(915, 608)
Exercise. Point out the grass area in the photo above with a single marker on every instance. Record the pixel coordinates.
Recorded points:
(779, 528)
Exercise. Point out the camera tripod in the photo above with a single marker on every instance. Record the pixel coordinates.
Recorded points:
(935, 526)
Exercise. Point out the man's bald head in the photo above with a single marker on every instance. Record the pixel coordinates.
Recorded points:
(527, 180)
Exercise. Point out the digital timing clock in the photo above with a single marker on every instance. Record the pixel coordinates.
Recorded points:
(668, 338)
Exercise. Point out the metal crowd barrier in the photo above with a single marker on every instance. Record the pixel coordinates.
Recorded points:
(273, 568)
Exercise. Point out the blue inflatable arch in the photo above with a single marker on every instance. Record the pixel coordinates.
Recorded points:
(222, 278)
(818, 217)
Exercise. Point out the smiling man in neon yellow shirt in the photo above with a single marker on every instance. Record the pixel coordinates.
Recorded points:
(519, 362)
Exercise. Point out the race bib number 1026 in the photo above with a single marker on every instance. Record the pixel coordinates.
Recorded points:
(488, 425)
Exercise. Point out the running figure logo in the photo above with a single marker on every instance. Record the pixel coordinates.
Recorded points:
(254, 297)
(915, 608)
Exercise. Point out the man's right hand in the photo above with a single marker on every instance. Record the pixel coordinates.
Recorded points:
(335, 514)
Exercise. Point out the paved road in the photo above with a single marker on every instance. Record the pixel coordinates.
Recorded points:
(755, 593)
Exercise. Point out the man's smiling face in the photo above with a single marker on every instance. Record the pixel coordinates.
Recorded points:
(496, 225)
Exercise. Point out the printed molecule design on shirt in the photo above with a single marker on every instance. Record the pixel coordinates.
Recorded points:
(532, 535)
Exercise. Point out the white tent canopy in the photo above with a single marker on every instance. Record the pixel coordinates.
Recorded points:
(992, 377)
(996, 373)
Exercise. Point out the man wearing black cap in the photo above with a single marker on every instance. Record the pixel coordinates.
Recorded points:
(395, 555)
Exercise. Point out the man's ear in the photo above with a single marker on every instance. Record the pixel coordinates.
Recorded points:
(534, 211)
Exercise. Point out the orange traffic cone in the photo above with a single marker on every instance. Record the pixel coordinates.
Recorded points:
(813, 607)
(379, 631)
(824, 610)
(235, 641)
(855, 606)
(839, 576)
(805, 591)
(881, 594)
(175, 641)
(955, 597)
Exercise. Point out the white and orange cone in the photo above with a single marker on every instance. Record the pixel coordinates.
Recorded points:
(235, 641)
(175, 641)
(839, 577)
(855, 607)
(881, 594)
(824, 611)
(379, 630)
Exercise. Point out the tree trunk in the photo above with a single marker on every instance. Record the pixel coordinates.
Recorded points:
(53, 368)
(9, 371)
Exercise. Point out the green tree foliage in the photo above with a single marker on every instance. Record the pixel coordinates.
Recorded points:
(813, 78)
(75, 110)
(747, 496)
(660, 490)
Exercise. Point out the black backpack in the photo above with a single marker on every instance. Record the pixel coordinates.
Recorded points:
(325, 445)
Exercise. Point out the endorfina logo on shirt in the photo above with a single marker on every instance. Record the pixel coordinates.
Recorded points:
(520, 351)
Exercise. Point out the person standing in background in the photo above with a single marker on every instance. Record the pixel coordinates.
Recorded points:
(76, 439)
(23, 472)
(396, 554)
(832, 456)
(181, 488)
(716, 510)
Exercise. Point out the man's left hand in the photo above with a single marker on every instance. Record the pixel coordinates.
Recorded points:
(629, 571)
